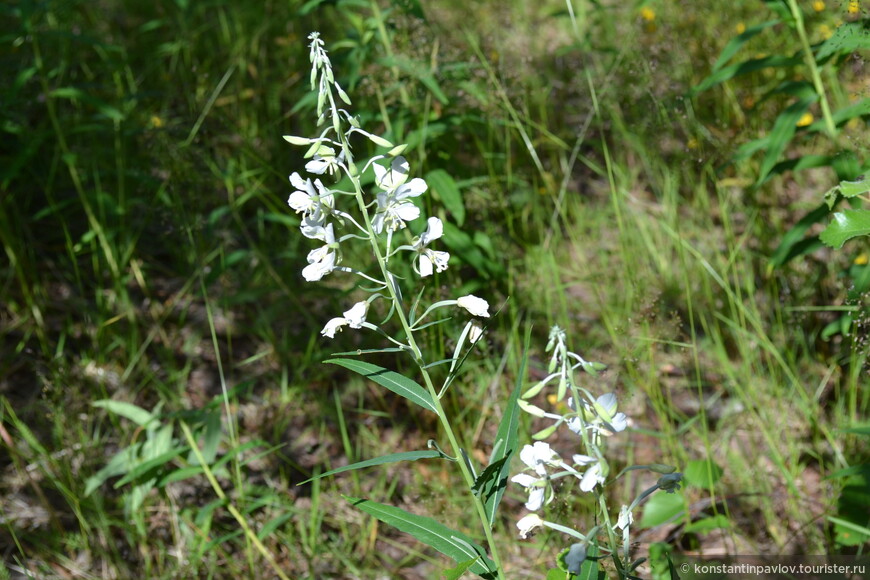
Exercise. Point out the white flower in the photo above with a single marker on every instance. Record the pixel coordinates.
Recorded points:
(625, 518)
(477, 306)
(310, 198)
(332, 326)
(395, 208)
(357, 315)
(475, 332)
(591, 478)
(583, 459)
(429, 258)
(322, 260)
(327, 163)
(529, 523)
(600, 417)
(537, 457)
(537, 488)
(396, 175)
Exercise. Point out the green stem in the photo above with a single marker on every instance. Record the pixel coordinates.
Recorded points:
(796, 13)
(418, 359)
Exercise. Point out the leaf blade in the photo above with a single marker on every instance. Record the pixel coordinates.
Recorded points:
(399, 384)
(391, 458)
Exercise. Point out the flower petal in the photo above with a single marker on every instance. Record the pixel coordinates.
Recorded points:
(477, 306)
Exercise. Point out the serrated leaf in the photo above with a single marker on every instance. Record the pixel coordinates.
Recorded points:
(399, 384)
(449, 542)
(391, 458)
(127, 410)
(846, 225)
(442, 184)
(847, 38)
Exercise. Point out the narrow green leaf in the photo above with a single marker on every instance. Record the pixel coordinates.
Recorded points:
(729, 72)
(846, 225)
(793, 243)
(783, 130)
(456, 572)
(393, 381)
(492, 483)
(391, 458)
(736, 43)
(449, 542)
(146, 469)
(442, 184)
(127, 410)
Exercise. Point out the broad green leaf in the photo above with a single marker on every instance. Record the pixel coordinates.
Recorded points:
(849, 533)
(729, 72)
(702, 473)
(704, 525)
(448, 192)
(846, 189)
(736, 43)
(847, 38)
(127, 410)
(391, 458)
(661, 508)
(846, 225)
(393, 381)
(783, 130)
(492, 483)
(449, 542)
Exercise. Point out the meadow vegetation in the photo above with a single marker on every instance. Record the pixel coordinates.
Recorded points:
(161, 392)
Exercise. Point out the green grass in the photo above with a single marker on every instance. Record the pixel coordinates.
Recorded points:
(151, 259)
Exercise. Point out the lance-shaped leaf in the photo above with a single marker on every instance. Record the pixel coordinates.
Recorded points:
(492, 483)
(391, 458)
(395, 382)
(451, 543)
(783, 130)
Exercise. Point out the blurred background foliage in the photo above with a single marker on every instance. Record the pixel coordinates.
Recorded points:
(151, 259)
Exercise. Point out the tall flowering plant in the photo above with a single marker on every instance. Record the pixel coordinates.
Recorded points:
(377, 217)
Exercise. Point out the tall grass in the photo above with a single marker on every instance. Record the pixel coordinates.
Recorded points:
(149, 261)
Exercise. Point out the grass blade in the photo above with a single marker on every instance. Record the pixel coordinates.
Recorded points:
(391, 458)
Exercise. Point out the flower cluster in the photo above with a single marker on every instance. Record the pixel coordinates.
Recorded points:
(591, 419)
(381, 213)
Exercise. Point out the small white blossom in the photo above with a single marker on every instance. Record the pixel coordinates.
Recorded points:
(332, 326)
(477, 306)
(310, 198)
(328, 163)
(625, 518)
(528, 524)
(537, 457)
(322, 260)
(357, 315)
(396, 175)
(591, 478)
(537, 488)
(430, 258)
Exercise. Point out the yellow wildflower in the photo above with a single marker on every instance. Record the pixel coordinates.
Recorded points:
(818, 5)
(155, 121)
(693, 143)
(740, 28)
(825, 31)
(861, 259)
(805, 119)
(854, 7)
(647, 14)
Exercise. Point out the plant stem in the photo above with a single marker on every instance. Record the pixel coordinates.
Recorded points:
(796, 13)
(418, 359)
